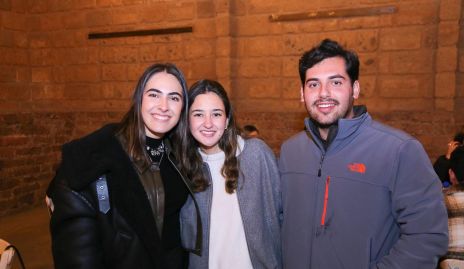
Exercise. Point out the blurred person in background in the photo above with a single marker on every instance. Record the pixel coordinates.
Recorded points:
(442, 164)
(249, 131)
(454, 199)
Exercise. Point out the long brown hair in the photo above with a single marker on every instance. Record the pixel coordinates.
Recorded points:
(192, 163)
(132, 127)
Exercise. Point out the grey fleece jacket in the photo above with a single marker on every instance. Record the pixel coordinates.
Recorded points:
(259, 199)
(371, 200)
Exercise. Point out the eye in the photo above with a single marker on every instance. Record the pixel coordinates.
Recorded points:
(153, 94)
(337, 83)
(217, 114)
(312, 84)
(175, 98)
(197, 115)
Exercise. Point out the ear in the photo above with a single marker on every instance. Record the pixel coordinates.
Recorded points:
(356, 89)
(302, 94)
(227, 123)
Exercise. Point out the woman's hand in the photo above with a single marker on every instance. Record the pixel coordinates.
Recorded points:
(452, 145)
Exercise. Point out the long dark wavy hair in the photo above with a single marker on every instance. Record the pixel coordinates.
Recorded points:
(192, 162)
(132, 127)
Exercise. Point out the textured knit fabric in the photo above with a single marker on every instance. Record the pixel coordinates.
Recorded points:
(371, 200)
(454, 199)
(228, 247)
(259, 201)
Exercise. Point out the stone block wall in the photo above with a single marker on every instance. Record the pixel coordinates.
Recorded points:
(409, 64)
(56, 84)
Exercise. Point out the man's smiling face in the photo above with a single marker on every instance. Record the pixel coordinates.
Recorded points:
(328, 92)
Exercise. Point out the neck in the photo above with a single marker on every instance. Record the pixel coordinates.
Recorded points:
(324, 132)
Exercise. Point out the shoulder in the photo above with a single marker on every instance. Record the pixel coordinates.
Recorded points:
(255, 150)
(254, 146)
(87, 158)
(387, 138)
(296, 141)
(388, 131)
(93, 140)
(383, 135)
(256, 156)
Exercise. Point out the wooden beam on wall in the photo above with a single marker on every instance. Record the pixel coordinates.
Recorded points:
(162, 31)
(339, 13)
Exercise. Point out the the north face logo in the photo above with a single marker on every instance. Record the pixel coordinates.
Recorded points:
(357, 167)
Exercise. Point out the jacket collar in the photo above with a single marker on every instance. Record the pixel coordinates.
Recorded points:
(140, 165)
(340, 130)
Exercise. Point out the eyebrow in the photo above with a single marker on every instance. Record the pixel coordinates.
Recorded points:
(161, 92)
(214, 110)
(337, 76)
(330, 77)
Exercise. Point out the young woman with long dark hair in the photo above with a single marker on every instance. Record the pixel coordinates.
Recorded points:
(117, 193)
(236, 184)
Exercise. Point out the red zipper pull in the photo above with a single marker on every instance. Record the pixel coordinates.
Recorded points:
(326, 199)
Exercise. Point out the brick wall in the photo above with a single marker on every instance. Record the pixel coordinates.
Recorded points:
(29, 146)
(459, 97)
(408, 59)
(56, 84)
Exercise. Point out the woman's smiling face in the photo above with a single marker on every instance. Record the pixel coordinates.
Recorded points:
(207, 121)
(161, 104)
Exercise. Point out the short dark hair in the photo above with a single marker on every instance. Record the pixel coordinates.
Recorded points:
(250, 128)
(457, 163)
(459, 137)
(328, 49)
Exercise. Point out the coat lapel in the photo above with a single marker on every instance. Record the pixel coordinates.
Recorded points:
(132, 202)
(102, 153)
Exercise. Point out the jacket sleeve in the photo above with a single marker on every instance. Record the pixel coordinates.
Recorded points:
(73, 227)
(274, 176)
(419, 209)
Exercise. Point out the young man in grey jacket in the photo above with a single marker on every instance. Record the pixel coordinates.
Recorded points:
(356, 193)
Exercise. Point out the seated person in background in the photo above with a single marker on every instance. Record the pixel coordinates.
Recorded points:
(250, 131)
(454, 199)
(441, 165)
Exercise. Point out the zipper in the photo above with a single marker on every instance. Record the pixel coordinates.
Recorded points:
(319, 172)
(326, 200)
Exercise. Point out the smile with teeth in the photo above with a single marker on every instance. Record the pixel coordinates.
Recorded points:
(208, 133)
(326, 104)
(161, 117)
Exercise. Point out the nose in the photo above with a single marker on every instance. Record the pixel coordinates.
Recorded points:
(163, 103)
(208, 122)
(324, 90)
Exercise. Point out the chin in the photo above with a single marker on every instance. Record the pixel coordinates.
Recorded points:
(325, 122)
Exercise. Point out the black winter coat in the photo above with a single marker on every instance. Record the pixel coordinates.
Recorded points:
(85, 237)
